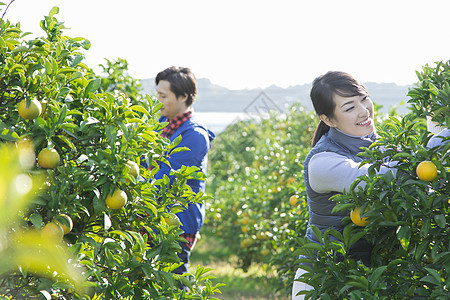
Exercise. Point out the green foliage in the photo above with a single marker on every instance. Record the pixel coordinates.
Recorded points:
(431, 95)
(255, 167)
(20, 245)
(409, 222)
(116, 78)
(96, 124)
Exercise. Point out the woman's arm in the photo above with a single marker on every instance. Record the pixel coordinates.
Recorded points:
(331, 172)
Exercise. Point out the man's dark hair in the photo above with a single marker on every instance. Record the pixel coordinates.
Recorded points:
(182, 82)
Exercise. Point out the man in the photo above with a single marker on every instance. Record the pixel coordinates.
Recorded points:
(176, 88)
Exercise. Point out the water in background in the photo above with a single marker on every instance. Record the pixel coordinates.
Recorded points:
(218, 121)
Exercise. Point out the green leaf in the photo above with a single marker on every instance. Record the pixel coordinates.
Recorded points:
(36, 220)
(67, 141)
(75, 76)
(362, 283)
(179, 149)
(185, 281)
(109, 258)
(420, 250)
(317, 232)
(168, 277)
(440, 220)
(436, 278)
(347, 234)
(9, 135)
(402, 155)
(139, 108)
(376, 274)
(433, 89)
(138, 238)
(157, 107)
(335, 233)
(102, 103)
(92, 86)
(403, 236)
(122, 234)
(53, 11)
(135, 120)
(19, 49)
(313, 246)
(356, 237)
(17, 66)
(341, 207)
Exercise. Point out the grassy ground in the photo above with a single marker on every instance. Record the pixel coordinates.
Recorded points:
(255, 284)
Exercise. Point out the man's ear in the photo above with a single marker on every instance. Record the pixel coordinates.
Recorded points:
(326, 120)
(182, 98)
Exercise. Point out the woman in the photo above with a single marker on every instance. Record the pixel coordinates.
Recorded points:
(346, 115)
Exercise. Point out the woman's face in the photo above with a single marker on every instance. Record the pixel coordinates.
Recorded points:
(352, 115)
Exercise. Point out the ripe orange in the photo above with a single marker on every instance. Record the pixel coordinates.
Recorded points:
(117, 200)
(65, 222)
(27, 156)
(48, 158)
(245, 243)
(31, 112)
(52, 231)
(294, 201)
(133, 169)
(426, 171)
(356, 217)
(290, 180)
(265, 252)
(264, 236)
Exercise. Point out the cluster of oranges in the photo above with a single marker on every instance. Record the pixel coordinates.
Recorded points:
(55, 230)
(425, 170)
(49, 158)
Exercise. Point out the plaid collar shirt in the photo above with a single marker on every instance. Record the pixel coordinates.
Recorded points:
(174, 124)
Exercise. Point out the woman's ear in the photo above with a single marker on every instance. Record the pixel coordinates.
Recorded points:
(326, 120)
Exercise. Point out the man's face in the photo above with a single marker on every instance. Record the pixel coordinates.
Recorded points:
(172, 106)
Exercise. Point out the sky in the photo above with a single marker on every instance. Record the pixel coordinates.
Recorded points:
(245, 44)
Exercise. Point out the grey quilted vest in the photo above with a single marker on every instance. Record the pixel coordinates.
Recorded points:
(320, 206)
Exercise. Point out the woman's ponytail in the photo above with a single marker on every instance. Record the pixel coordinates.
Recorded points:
(321, 129)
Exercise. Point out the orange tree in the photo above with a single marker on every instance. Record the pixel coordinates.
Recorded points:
(408, 217)
(260, 209)
(96, 128)
(21, 245)
(255, 168)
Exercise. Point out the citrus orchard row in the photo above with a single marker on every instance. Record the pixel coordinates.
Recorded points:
(260, 203)
(85, 135)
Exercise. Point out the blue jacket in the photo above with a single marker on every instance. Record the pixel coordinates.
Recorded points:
(198, 139)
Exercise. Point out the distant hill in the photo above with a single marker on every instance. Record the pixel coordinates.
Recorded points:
(215, 98)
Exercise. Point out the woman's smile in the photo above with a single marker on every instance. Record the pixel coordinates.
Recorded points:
(366, 122)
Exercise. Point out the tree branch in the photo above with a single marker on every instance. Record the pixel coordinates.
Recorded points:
(6, 9)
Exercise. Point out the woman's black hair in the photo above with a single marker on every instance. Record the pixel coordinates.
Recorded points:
(322, 96)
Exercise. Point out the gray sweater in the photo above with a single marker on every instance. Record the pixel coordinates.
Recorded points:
(436, 140)
(330, 168)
